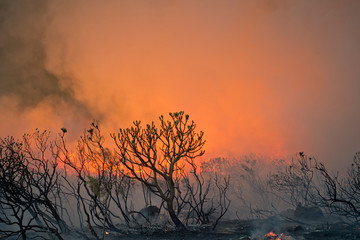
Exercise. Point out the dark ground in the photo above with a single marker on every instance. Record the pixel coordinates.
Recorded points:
(251, 230)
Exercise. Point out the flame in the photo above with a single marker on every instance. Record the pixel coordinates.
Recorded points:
(272, 236)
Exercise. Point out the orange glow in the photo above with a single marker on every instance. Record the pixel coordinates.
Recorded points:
(91, 167)
(265, 77)
(270, 234)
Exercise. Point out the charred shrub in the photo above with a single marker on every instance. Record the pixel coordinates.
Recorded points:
(295, 183)
(340, 194)
(30, 188)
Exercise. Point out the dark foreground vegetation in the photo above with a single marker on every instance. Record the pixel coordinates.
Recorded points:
(148, 182)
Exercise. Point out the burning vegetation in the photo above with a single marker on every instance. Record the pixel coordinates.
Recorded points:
(150, 182)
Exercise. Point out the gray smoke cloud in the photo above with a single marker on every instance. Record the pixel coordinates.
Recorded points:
(25, 77)
(22, 56)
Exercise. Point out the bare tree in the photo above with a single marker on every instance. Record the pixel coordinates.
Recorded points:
(295, 183)
(156, 155)
(100, 180)
(206, 198)
(30, 187)
(341, 194)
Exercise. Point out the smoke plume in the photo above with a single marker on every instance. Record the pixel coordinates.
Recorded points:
(268, 77)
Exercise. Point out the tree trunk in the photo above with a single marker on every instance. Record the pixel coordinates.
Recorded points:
(173, 216)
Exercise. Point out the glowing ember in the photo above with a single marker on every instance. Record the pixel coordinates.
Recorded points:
(270, 234)
(273, 236)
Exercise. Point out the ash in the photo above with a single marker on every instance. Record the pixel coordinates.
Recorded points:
(273, 228)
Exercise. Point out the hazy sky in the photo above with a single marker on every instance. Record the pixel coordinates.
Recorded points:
(268, 77)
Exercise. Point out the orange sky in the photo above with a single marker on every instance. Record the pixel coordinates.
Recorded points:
(268, 77)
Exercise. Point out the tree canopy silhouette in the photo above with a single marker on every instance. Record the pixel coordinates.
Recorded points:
(156, 155)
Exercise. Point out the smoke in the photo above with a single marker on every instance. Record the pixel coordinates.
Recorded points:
(22, 56)
(31, 95)
(268, 77)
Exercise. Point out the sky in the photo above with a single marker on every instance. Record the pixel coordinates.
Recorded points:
(268, 77)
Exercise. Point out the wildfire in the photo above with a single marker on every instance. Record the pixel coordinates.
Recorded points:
(272, 236)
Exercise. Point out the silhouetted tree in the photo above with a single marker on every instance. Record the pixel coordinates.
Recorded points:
(155, 156)
(206, 196)
(30, 187)
(99, 180)
(341, 194)
(295, 183)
